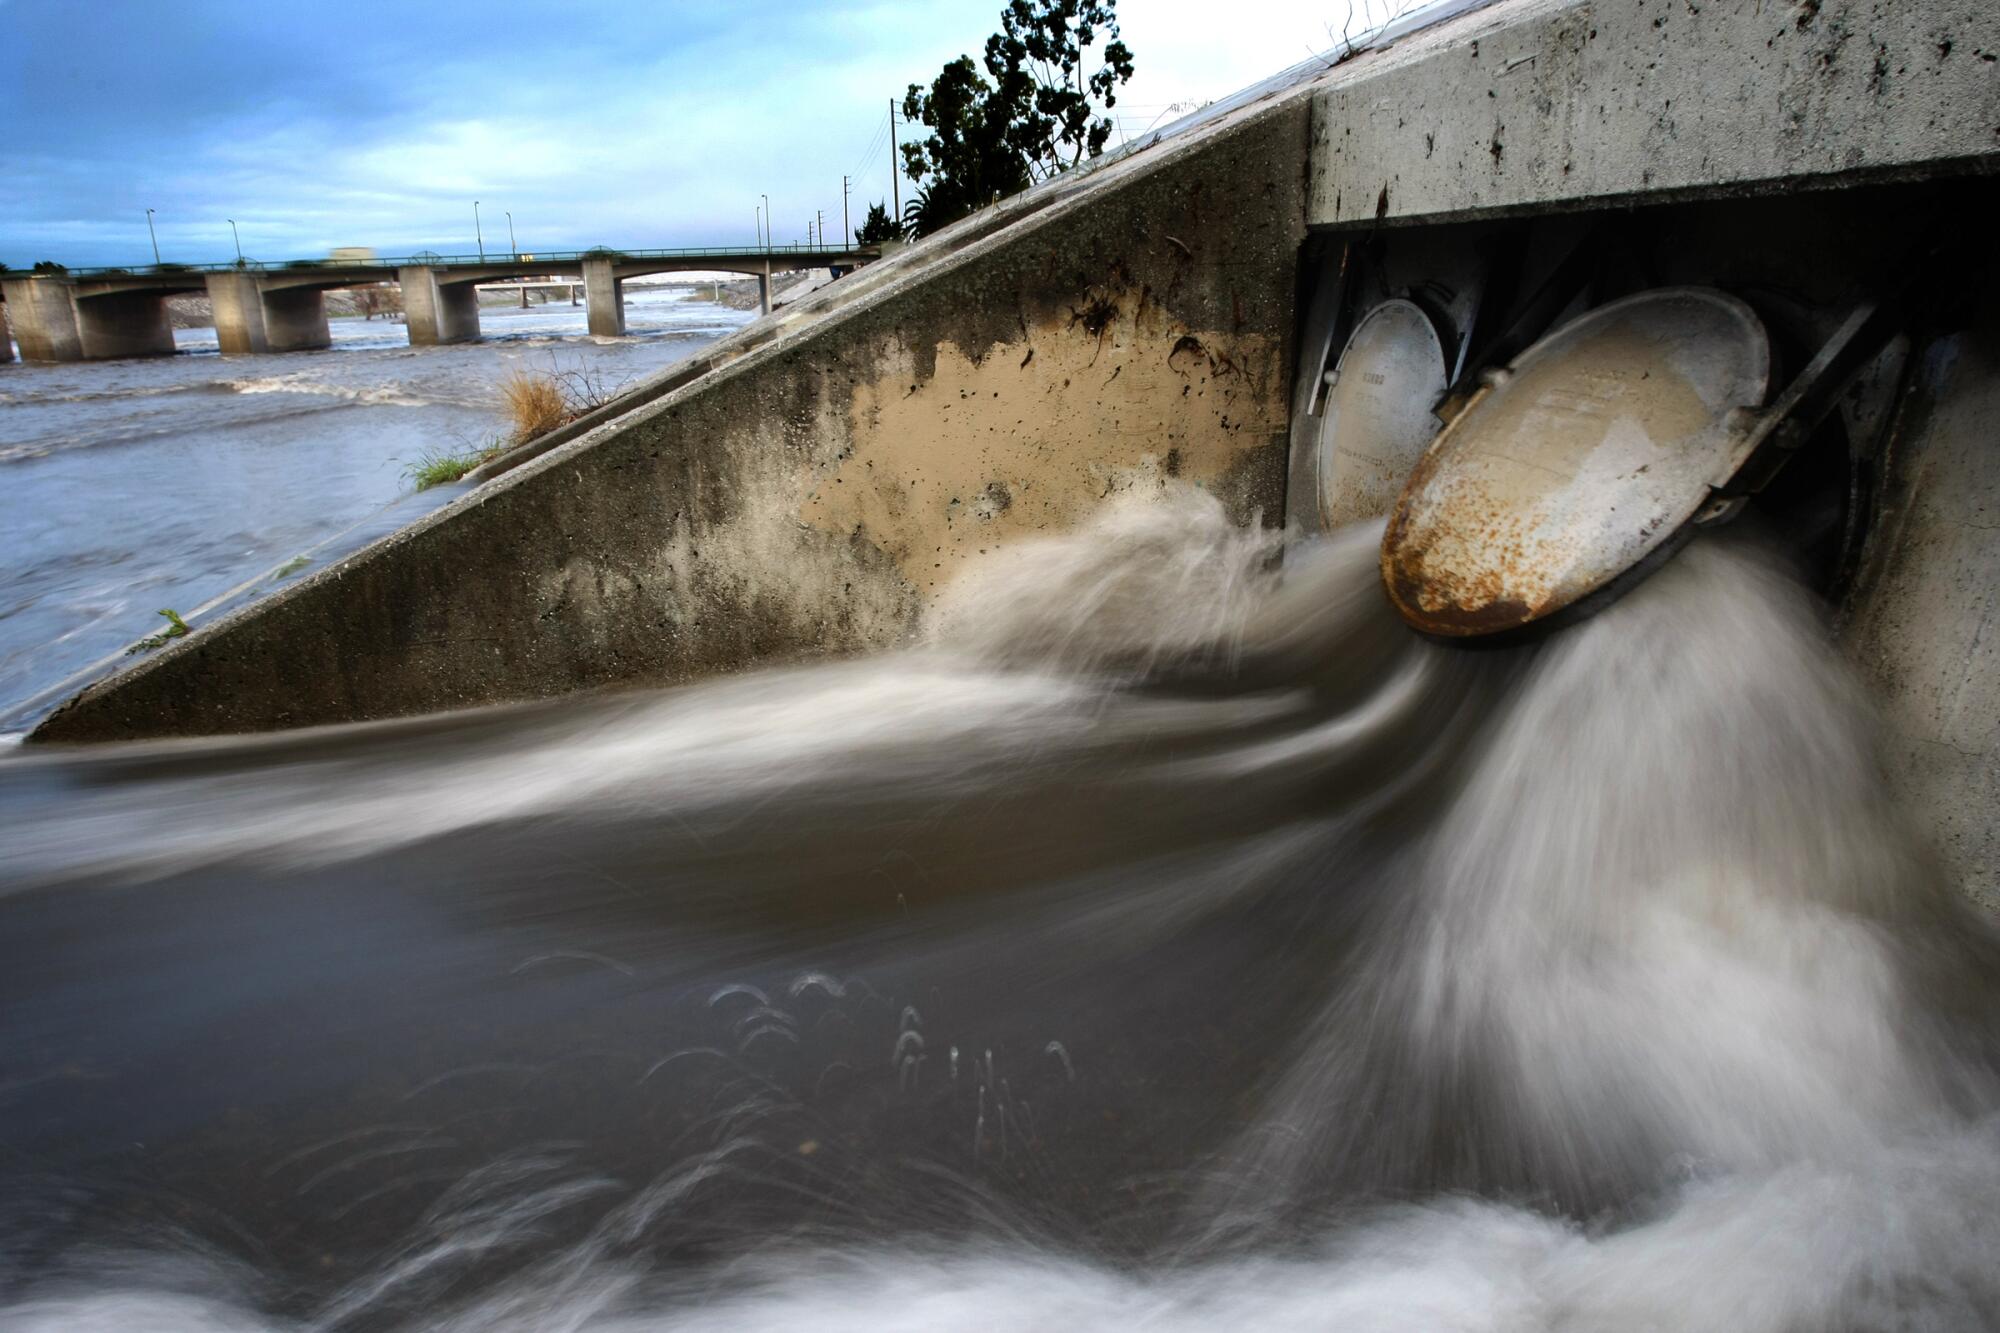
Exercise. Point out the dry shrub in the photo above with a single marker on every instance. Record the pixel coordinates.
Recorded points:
(534, 403)
(585, 390)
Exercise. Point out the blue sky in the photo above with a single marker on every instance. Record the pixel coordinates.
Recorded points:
(319, 124)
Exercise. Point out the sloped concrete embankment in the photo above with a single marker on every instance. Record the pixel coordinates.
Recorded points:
(810, 496)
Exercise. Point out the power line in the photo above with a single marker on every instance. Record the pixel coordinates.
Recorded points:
(875, 142)
(868, 164)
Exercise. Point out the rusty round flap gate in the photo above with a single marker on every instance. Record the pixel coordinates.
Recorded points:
(1582, 461)
(1378, 411)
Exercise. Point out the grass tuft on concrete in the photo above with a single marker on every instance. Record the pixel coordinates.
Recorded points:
(535, 403)
(438, 467)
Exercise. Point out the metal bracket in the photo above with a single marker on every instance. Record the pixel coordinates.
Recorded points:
(1770, 438)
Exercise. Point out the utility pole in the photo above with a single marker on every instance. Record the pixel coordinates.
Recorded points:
(156, 237)
(895, 173)
(239, 241)
(821, 214)
(478, 235)
(846, 223)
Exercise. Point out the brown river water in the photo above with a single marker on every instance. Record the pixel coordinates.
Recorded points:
(1170, 939)
(199, 481)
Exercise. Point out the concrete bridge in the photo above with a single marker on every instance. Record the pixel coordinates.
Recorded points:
(90, 314)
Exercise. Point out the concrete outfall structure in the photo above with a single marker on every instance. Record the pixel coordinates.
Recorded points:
(6, 336)
(806, 486)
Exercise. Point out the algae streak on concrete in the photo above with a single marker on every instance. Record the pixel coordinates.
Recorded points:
(811, 495)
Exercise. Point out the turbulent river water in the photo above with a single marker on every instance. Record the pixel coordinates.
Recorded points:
(1169, 940)
(129, 486)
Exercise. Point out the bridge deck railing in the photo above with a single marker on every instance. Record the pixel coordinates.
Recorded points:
(390, 263)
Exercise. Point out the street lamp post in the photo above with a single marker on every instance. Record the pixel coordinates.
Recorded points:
(237, 236)
(767, 221)
(760, 224)
(513, 244)
(156, 237)
(478, 236)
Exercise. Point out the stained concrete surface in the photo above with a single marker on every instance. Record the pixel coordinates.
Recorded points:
(1924, 622)
(1531, 106)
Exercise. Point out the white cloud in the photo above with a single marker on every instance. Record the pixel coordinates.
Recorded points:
(636, 143)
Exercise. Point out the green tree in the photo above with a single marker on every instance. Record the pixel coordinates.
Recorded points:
(1051, 43)
(970, 158)
(877, 227)
(1054, 67)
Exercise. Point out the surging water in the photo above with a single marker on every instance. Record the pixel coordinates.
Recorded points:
(1171, 940)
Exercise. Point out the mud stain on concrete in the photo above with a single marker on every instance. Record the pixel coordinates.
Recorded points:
(1012, 439)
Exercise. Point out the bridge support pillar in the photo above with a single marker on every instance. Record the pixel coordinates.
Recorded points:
(764, 290)
(603, 299)
(253, 317)
(239, 313)
(44, 319)
(295, 319)
(438, 312)
(124, 324)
